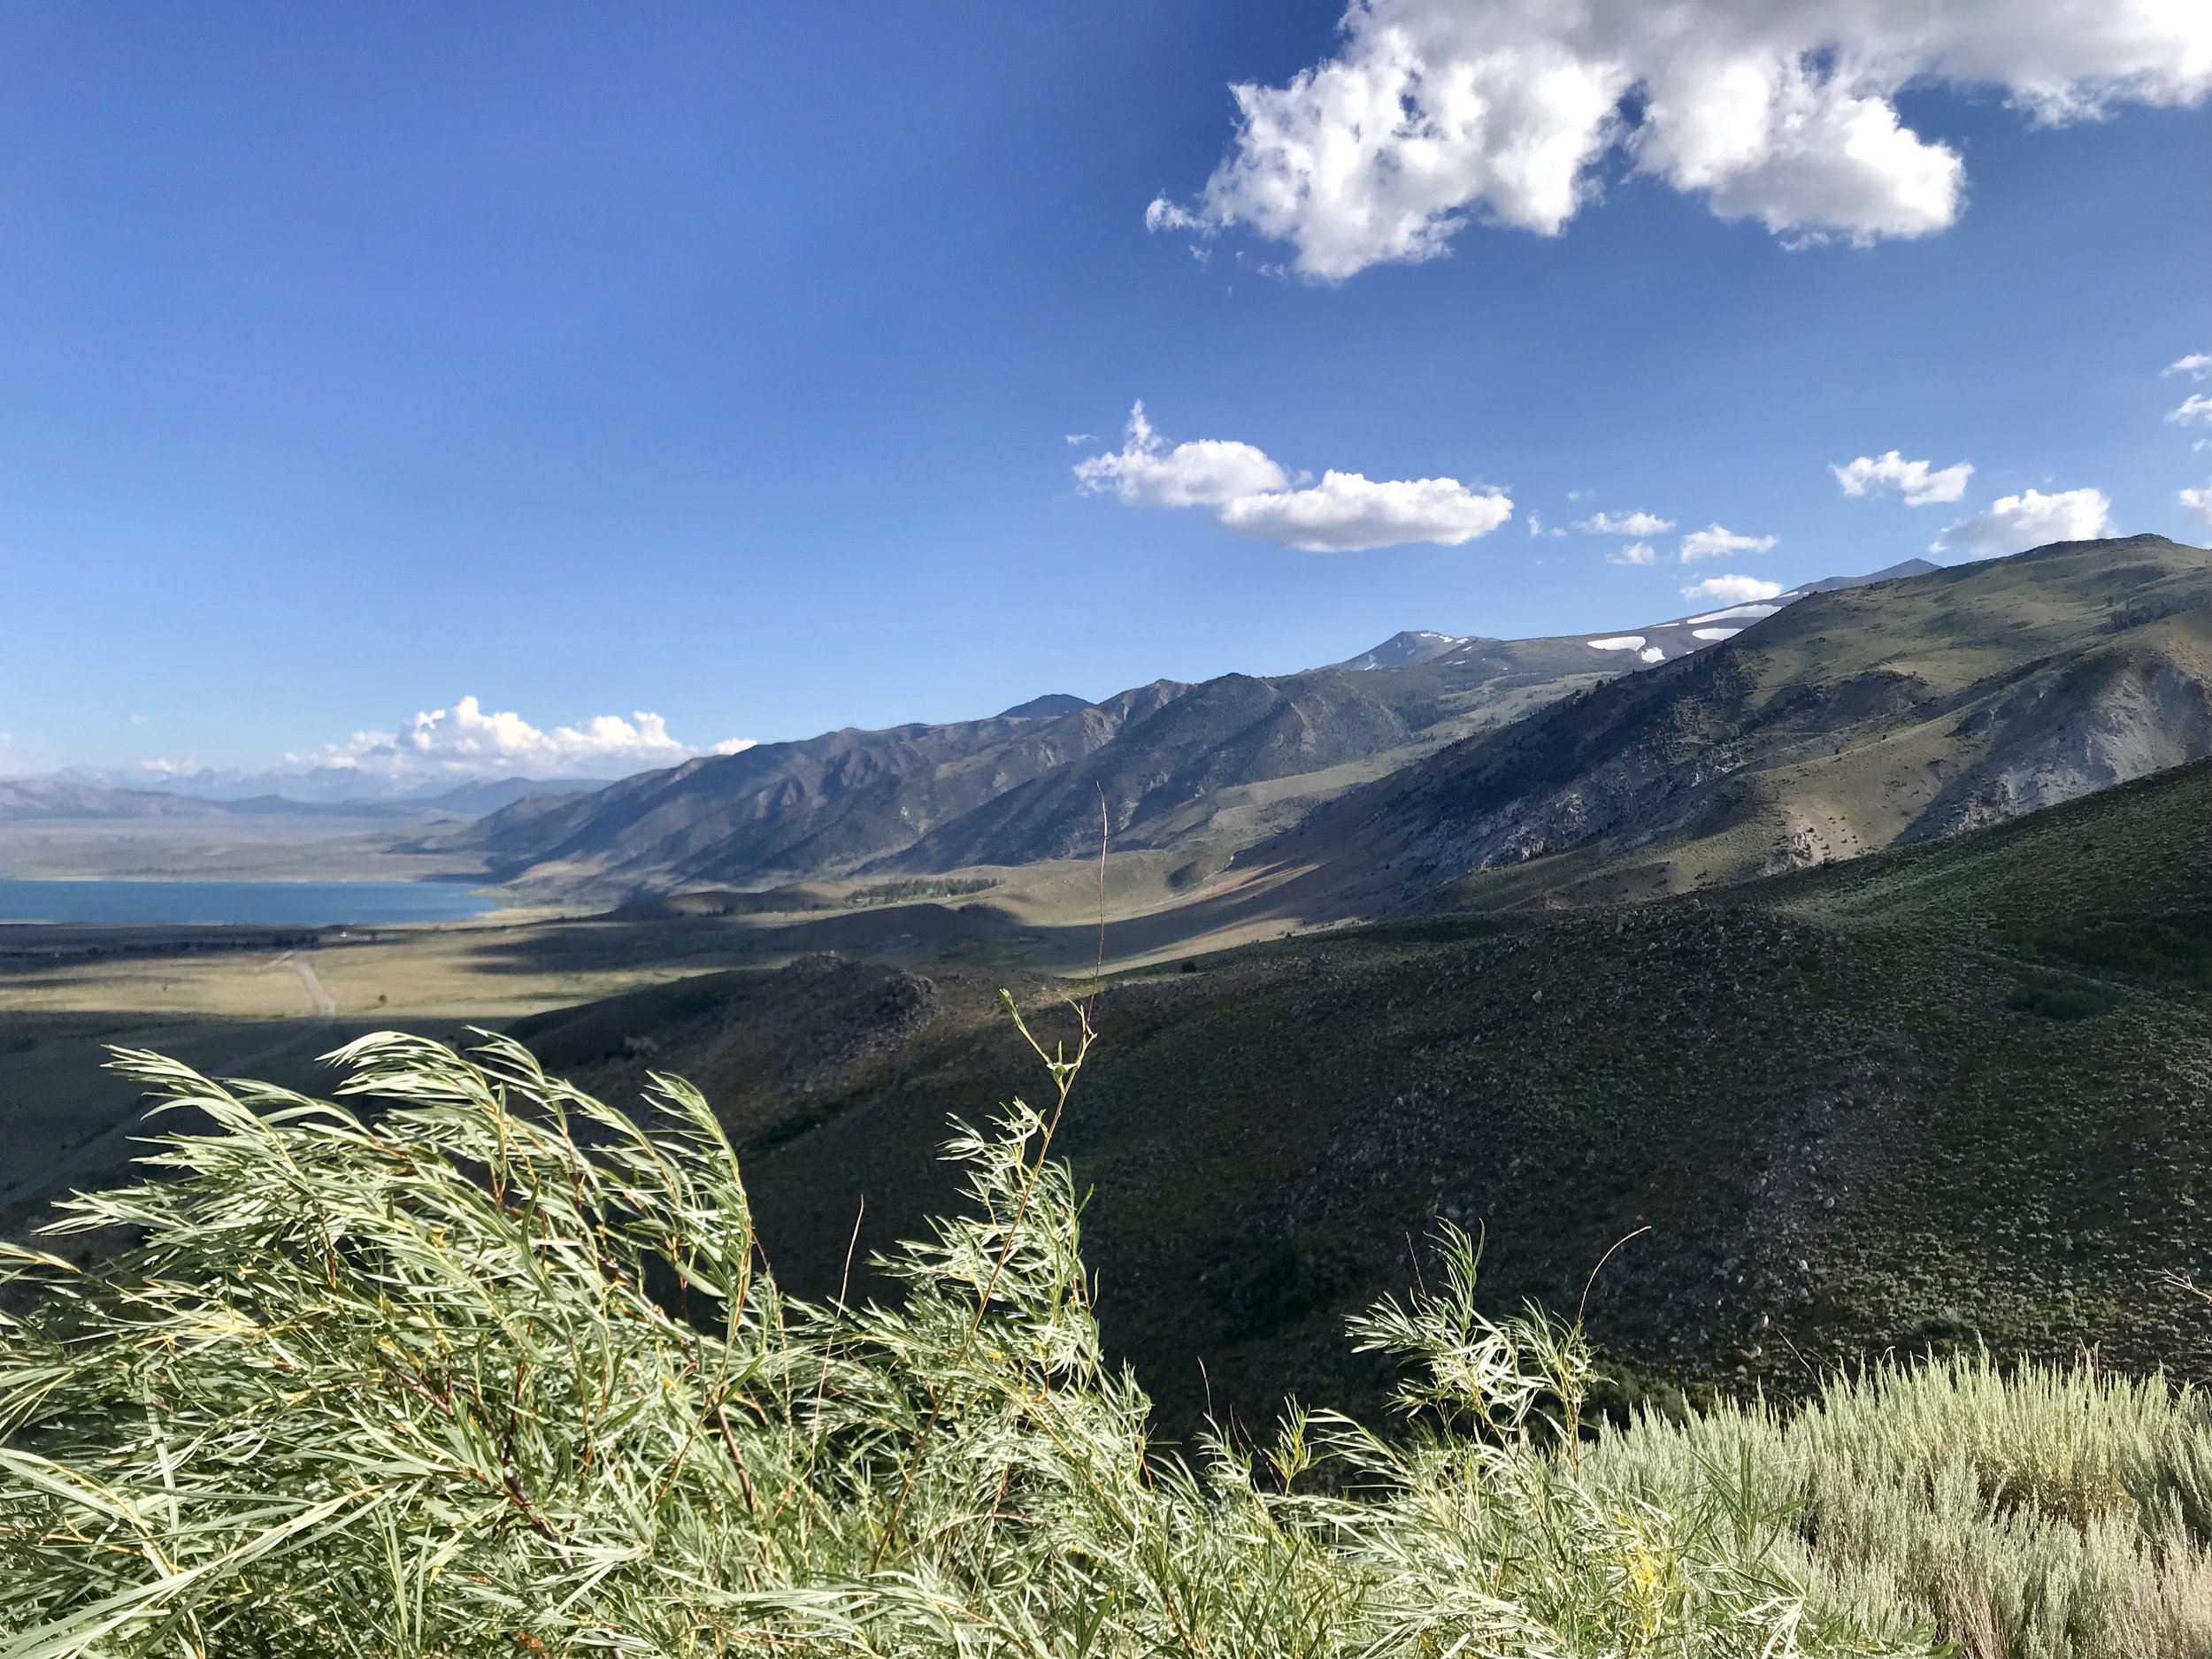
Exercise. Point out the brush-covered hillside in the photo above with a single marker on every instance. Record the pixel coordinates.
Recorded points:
(1957, 1091)
(1852, 720)
(499, 1368)
(1209, 766)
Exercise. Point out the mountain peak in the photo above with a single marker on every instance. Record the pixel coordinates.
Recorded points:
(1050, 706)
(1894, 572)
(1405, 650)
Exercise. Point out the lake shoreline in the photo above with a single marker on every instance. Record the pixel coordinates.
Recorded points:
(282, 902)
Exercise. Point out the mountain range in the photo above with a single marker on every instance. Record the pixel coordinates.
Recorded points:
(324, 785)
(1857, 719)
(1835, 718)
(1199, 769)
(82, 797)
(1421, 645)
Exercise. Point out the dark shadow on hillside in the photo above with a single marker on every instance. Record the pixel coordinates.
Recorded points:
(908, 933)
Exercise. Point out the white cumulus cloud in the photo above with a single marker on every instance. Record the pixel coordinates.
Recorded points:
(1634, 553)
(2030, 520)
(467, 742)
(1145, 472)
(1431, 113)
(2197, 365)
(1252, 495)
(2195, 407)
(1639, 523)
(1735, 589)
(2199, 502)
(1346, 512)
(1715, 541)
(1918, 484)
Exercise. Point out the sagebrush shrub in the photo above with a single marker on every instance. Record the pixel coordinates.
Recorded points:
(464, 1362)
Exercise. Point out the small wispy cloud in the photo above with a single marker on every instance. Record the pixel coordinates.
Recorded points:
(2030, 519)
(2194, 408)
(1634, 553)
(1252, 494)
(1921, 484)
(2197, 365)
(1349, 513)
(1636, 524)
(1734, 589)
(1144, 472)
(2198, 501)
(1717, 540)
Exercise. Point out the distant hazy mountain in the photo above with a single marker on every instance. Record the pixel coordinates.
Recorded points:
(1207, 767)
(345, 788)
(319, 786)
(23, 799)
(64, 795)
(475, 800)
(1858, 718)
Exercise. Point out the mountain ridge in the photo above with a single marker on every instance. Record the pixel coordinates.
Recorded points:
(71, 796)
(1856, 718)
(1205, 766)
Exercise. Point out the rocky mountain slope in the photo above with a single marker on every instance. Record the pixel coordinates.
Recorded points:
(1959, 1091)
(1210, 767)
(1008, 790)
(1853, 720)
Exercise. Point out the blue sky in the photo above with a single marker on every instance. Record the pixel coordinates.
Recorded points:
(719, 361)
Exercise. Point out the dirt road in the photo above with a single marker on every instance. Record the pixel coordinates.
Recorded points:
(326, 1006)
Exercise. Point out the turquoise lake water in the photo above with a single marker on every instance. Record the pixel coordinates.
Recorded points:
(256, 904)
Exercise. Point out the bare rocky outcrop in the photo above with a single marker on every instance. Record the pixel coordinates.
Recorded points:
(2085, 726)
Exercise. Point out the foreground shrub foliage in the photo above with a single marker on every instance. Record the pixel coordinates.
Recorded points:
(487, 1367)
